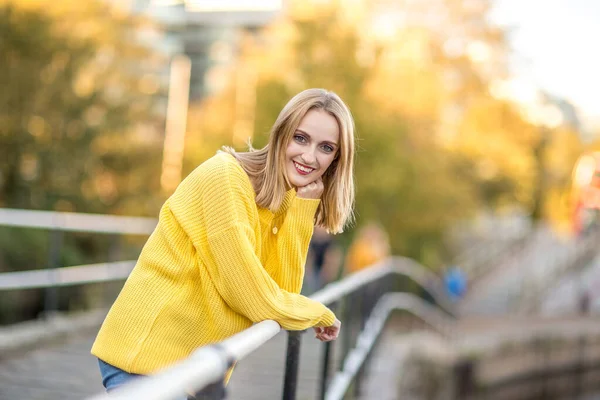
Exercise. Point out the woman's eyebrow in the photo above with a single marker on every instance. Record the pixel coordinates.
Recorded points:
(301, 131)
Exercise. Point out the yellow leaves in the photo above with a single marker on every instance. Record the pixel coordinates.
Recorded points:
(105, 186)
(406, 79)
(563, 150)
(559, 210)
(84, 83)
(149, 84)
(94, 115)
(55, 67)
(310, 9)
(38, 127)
(410, 90)
(29, 167)
(275, 54)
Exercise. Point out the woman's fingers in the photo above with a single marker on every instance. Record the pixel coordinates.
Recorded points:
(325, 337)
(318, 331)
(328, 333)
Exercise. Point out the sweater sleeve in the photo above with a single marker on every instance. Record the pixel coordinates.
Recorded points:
(224, 205)
(292, 247)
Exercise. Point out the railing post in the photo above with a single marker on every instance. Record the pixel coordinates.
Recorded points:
(325, 365)
(51, 292)
(463, 379)
(544, 349)
(324, 370)
(366, 293)
(292, 361)
(581, 367)
(346, 328)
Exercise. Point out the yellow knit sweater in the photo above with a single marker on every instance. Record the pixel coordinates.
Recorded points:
(215, 264)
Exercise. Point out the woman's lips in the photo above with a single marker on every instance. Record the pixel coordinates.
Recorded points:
(302, 169)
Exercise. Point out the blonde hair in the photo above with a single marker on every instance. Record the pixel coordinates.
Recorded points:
(266, 166)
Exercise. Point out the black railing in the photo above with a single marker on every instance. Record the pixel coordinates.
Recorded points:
(356, 299)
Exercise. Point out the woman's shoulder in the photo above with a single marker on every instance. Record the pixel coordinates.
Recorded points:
(209, 183)
(221, 169)
(221, 164)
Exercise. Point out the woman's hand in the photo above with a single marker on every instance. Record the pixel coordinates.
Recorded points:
(313, 190)
(328, 333)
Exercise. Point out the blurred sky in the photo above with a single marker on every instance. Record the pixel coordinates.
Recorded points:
(556, 46)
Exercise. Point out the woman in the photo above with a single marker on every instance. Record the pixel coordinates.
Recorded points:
(231, 242)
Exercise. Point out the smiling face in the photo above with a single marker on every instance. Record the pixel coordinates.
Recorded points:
(312, 148)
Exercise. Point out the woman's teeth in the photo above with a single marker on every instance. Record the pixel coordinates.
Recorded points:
(302, 168)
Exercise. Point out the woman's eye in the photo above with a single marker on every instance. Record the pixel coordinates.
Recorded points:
(328, 148)
(299, 138)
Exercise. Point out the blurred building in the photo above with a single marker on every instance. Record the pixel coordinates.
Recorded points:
(570, 116)
(208, 32)
(200, 41)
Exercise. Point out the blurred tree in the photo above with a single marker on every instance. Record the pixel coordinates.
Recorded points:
(76, 130)
(496, 145)
(561, 155)
(79, 127)
(436, 143)
(404, 178)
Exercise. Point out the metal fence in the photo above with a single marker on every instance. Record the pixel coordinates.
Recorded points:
(362, 301)
(356, 299)
(56, 275)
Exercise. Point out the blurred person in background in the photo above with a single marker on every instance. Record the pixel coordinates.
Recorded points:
(370, 245)
(231, 243)
(323, 261)
(455, 282)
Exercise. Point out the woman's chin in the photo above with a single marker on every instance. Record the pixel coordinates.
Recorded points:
(296, 183)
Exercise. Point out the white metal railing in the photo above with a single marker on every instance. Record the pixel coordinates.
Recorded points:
(77, 222)
(120, 270)
(205, 366)
(210, 363)
(393, 265)
(74, 222)
(66, 276)
(387, 304)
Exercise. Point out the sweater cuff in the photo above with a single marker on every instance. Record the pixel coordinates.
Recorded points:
(328, 318)
(305, 209)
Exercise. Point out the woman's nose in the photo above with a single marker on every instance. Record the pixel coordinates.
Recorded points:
(308, 158)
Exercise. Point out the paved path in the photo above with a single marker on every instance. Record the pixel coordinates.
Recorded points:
(565, 296)
(500, 292)
(62, 371)
(66, 370)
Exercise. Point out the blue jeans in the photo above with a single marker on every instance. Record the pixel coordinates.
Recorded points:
(113, 377)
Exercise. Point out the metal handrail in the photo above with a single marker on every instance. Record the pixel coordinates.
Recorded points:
(210, 363)
(392, 265)
(66, 276)
(104, 272)
(205, 366)
(57, 223)
(387, 304)
(77, 222)
(580, 256)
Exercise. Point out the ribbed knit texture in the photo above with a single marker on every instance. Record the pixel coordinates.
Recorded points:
(213, 266)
